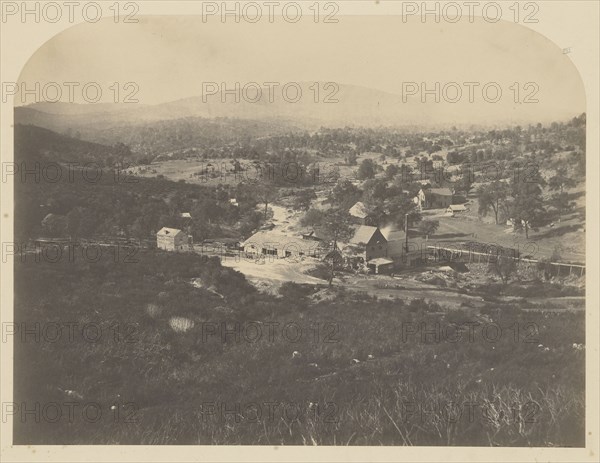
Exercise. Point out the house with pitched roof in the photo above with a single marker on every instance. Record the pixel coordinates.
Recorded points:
(369, 243)
(420, 200)
(438, 198)
(360, 212)
(455, 209)
(172, 239)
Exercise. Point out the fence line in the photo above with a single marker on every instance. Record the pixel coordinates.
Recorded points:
(519, 259)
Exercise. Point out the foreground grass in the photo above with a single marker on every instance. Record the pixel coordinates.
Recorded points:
(362, 372)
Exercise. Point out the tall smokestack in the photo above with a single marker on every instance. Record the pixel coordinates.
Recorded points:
(406, 231)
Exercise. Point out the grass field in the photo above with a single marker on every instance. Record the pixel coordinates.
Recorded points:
(565, 237)
(341, 368)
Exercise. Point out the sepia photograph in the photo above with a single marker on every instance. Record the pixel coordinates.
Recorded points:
(280, 224)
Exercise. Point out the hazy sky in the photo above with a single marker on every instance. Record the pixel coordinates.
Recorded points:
(170, 56)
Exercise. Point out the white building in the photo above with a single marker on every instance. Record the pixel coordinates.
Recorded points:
(455, 209)
(271, 243)
(172, 239)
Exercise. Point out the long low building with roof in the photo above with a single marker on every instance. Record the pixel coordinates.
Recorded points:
(277, 244)
(455, 209)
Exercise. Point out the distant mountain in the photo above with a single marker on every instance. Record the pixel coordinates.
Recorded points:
(153, 136)
(199, 122)
(307, 105)
(318, 104)
(70, 109)
(209, 121)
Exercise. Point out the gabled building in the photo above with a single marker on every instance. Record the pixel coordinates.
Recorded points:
(359, 212)
(172, 239)
(438, 198)
(369, 242)
(455, 209)
(420, 200)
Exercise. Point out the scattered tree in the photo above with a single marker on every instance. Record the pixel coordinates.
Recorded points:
(428, 227)
(334, 228)
(464, 182)
(399, 207)
(375, 191)
(366, 169)
(312, 218)
(561, 180)
(492, 196)
(344, 194)
(391, 171)
(303, 198)
(265, 193)
(527, 206)
(562, 204)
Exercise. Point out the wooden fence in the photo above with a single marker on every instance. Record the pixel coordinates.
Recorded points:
(470, 256)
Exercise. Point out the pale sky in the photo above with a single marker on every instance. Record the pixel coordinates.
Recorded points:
(170, 56)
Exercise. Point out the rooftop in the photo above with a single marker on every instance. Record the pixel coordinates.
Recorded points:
(278, 240)
(381, 261)
(363, 234)
(359, 210)
(439, 191)
(165, 231)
